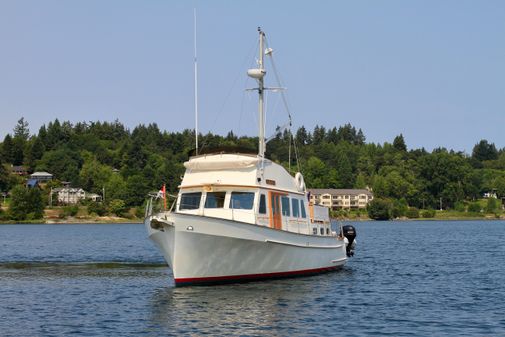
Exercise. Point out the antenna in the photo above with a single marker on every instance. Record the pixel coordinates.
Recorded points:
(196, 85)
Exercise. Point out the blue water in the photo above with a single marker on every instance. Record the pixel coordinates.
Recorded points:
(406, 279)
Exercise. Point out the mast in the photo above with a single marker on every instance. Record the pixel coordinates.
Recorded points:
(196, 86)
(258, 74)
(261, 104)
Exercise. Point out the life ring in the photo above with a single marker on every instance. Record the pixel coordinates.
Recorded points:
(300, 183)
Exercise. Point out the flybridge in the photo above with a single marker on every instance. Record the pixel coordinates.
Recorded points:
(240, 170)
(221, 162)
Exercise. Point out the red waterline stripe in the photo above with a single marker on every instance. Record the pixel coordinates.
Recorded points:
(250, 277)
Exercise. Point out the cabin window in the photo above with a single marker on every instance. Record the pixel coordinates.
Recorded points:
(302, 208)
(314, 231)
(296, 208)
(242, 200)
(328, 231)
(190, 201)
(215, 200)
(285, 206)
(321, 230)
(263, 205)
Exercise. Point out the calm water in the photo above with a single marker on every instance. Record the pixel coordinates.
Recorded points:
(408, 278)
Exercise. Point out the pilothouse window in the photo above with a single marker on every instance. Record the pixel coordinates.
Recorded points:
(242, 200)
(215, 200)
(190, 200)
(295, 207)
(285, 206)
(263, 205)
(302, 207)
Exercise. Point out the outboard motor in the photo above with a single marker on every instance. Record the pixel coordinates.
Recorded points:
(350, 234)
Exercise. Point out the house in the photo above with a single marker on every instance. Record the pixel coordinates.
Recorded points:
(491, 194)
(69, 195)
(41, 176)
(72, 195)
(19, 170)
(337, 199)
(93, 197)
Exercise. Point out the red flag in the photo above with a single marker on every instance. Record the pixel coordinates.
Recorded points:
(164, 190)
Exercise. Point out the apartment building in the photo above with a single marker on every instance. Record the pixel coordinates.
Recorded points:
(337, 199)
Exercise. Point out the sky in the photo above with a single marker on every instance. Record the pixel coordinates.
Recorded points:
(433, 71)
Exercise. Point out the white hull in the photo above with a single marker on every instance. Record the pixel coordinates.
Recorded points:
(203, 250)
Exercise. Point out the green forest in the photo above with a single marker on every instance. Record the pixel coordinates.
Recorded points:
(128, 164)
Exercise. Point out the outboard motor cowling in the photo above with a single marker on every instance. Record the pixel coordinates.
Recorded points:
(350, 234)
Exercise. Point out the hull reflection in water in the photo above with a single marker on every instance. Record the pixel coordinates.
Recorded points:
(273, 308)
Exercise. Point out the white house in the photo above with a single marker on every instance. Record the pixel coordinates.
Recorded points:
(41, 176)
(73, 195)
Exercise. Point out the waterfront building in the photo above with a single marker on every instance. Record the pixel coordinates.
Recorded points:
(336, 199)
(69, 195)
(74, 195)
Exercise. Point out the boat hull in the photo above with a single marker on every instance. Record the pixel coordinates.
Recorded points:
(204, 250)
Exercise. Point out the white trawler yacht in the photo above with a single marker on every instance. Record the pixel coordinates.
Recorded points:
(241, 217)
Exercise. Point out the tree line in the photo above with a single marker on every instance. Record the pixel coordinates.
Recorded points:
(129, 164)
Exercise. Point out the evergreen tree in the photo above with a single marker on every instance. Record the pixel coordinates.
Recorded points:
(4, 177)
(360, 138)
(319, 135)
(8, 149)
(21, 134)
(54, 134)
(21, 130)
(399, 143)
(302, 138)
(35, 152)
(484, 151)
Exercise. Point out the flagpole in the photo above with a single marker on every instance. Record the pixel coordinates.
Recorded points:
(165, 197)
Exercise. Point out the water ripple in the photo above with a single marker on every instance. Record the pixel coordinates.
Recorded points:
(407, 279)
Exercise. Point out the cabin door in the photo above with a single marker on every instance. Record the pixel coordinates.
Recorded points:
(275, 210)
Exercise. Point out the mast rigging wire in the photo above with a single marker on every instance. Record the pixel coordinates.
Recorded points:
(283, 96)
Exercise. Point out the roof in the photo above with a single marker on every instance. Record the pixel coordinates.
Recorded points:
(41, 174)
(68, 189)
(339, 191)
(18, 168)
(32, 183)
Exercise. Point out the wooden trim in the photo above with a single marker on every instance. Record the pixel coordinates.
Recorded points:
(270, 210)
(276, 190)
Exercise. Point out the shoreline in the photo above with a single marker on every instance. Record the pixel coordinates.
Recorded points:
(118, 220)
(74, 221)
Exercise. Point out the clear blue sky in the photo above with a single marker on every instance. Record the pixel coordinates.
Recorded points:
(431, 70)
